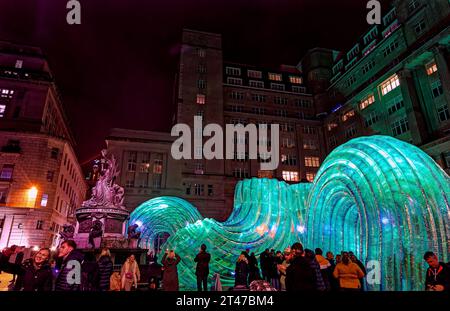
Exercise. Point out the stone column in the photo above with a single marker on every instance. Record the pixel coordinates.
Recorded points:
(443, 70)
(417, 125)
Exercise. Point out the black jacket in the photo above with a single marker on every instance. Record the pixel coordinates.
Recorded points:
(31, 279)
(105, 269)
(300, 276)
(439, 276)
(62, 283)
(202, 259)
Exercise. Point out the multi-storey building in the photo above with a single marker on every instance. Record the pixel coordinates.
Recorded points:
(395, 81)
(41, 182)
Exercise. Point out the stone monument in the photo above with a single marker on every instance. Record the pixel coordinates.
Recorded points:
(102, 220)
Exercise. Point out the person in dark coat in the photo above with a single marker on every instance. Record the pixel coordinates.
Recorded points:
(105, 269)
(170, 261)
(264, 263)
(35, 273)
(89, 273)
(69, 255)
(321, 283)
(438, 275)
(154, 275)
(202, 271)
(299, 275)
(253, 273)
(241, 271)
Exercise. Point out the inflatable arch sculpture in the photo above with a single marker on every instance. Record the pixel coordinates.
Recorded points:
(379, 197)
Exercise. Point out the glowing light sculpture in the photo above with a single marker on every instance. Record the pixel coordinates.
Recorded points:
(387, 201)
(382, 198)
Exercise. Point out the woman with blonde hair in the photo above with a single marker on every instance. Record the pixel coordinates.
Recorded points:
(130, 273)
(170, 275)
(241, 272)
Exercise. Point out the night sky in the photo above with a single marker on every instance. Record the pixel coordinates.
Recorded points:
(117, 68)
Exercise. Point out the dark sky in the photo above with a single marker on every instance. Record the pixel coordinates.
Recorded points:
(117, 68)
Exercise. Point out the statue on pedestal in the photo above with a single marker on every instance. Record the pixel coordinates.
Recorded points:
(67, 232)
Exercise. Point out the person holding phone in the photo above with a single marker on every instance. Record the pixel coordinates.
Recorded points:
(438, 275)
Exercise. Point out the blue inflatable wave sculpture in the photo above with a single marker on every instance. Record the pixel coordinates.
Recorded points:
(384, 199)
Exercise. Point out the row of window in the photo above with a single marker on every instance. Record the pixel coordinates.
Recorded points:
(256, 84)
(256, 74)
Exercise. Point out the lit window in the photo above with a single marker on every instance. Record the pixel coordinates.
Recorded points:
(312, 161)
(348, 115)
(431, 68)
(290, 176)
(7, 172)
(157, 166)
(366, 102)
(275, 77)
(6, 93)
(310, 176)
(254, 74)
(331, 126)
(44, 200)
(390, 84)
(232, 71)
(295, 80)
(2, 110)
(201, 99)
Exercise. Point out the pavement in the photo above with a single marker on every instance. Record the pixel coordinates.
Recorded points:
(5, 278)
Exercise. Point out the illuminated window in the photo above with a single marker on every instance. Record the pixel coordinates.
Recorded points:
(19, 63)
(44, 200)
(310, 176)
(431, 68)
(233, 71)
(7, 172)
(290, 176)
(295, 80)
(6, 93)
(348, 115)
(265, 174)
(312, 161)
(2, 110)
(390, 84)
(331, 126)
(275, 77)
(201, 99)
(254, 74)
(366, 102)
(157, 166)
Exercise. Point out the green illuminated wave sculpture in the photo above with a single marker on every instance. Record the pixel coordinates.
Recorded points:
(382, 198)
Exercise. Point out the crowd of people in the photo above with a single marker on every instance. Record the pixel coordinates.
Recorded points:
(295, 269)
